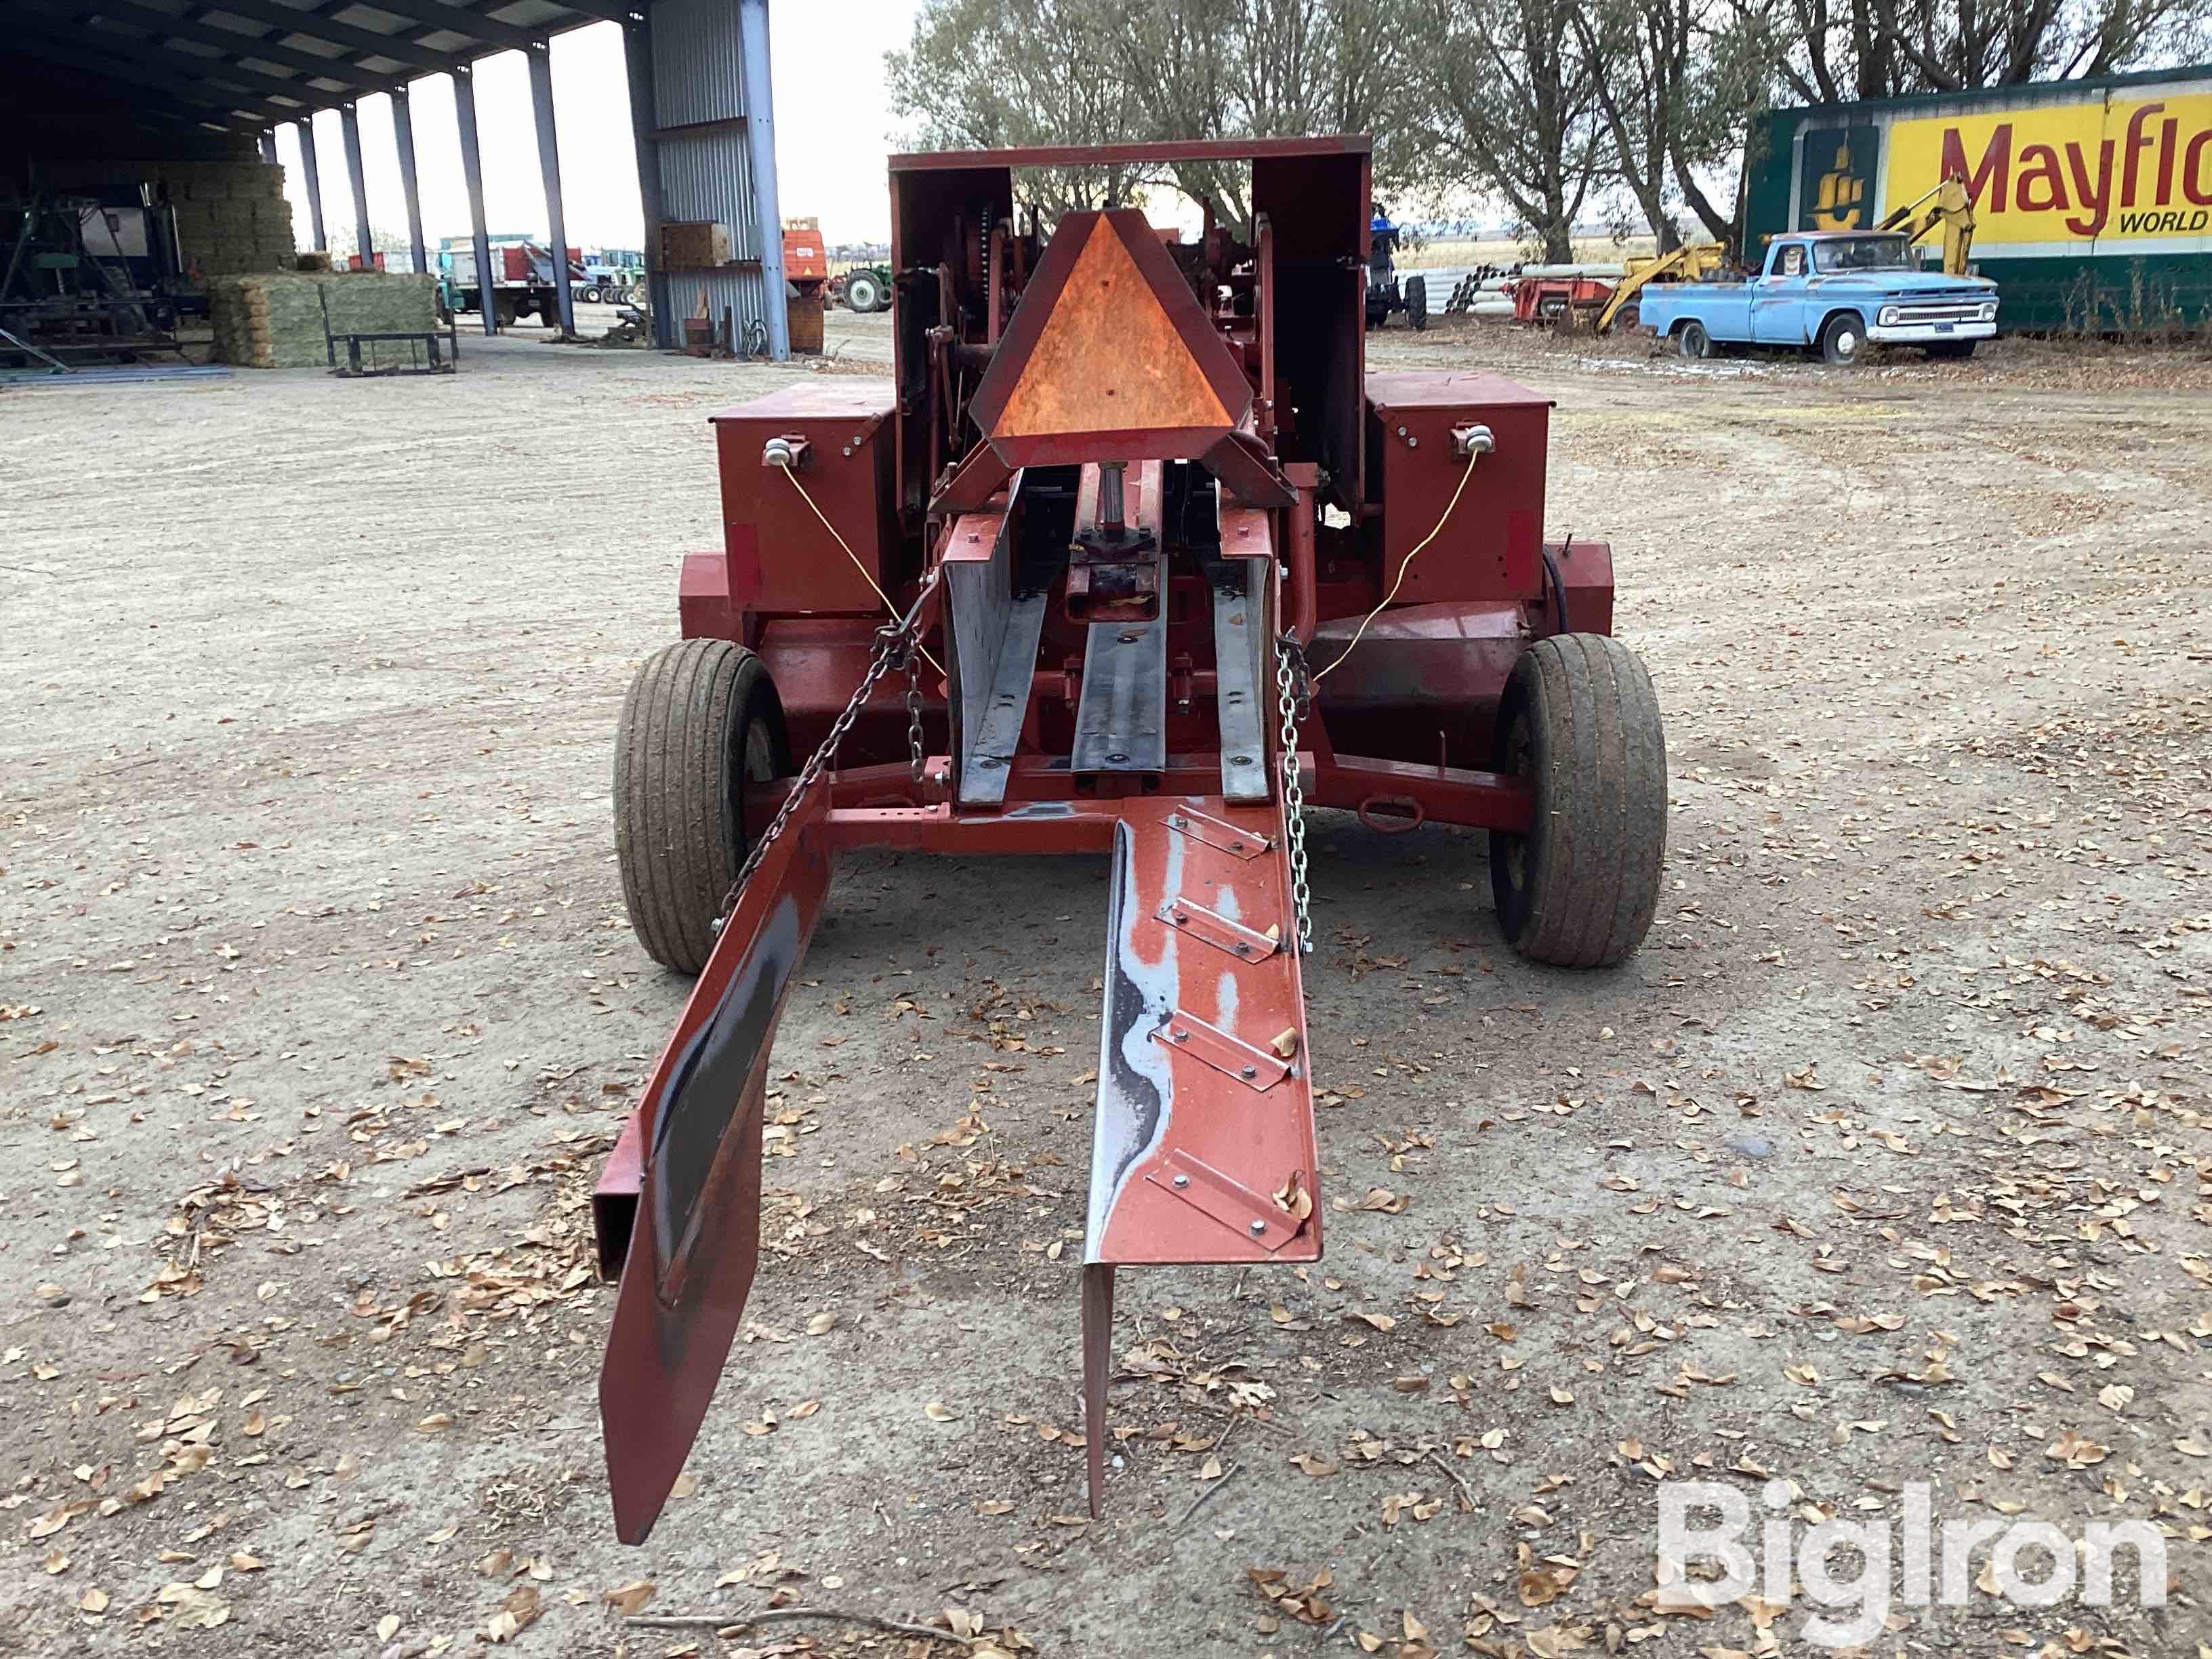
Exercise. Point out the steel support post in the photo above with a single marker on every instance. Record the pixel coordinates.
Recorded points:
(314, 180)
(364, 243)
(465, 117)
(548, 162)
(402, 140)
(269, 145)
(644, 122)
(760, 141)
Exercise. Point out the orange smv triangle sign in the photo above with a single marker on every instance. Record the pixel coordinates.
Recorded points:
(1106, 359)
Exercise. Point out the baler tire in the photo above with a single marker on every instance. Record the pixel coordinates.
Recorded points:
(1579, 721)
(701, 718)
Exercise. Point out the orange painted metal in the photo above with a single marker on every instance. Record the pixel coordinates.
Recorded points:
(1109, 355)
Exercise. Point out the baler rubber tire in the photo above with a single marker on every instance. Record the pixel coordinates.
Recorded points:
(701, 717)
(1580, 721)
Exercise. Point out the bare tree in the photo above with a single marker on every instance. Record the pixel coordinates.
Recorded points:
(998, 73)
(1880, 48)
(1503, 97)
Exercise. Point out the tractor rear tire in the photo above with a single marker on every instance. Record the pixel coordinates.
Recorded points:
(701, 720)
(860, 291)
(1417, 302)
(1580, 722)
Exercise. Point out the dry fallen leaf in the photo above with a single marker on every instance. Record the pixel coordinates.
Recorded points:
(630, 1598)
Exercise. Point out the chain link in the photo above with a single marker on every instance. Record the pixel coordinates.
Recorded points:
(895, 648)
(914, 716)
(1293, 690)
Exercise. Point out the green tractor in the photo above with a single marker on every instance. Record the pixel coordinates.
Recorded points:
(863, 287)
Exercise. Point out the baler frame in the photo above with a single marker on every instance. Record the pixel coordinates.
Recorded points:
(1126, 491)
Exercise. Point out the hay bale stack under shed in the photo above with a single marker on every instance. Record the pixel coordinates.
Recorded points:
(274, 319)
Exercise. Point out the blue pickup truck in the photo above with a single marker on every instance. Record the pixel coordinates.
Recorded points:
(1833, 291)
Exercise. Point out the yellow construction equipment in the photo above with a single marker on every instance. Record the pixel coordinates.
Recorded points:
(1948, 206)
(1690, 263)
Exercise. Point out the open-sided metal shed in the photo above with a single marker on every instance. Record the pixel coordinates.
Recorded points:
(186, 72)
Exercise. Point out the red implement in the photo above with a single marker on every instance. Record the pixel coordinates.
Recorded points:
(1163, 563)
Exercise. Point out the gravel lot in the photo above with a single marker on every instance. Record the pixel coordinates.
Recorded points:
(1885, 1161)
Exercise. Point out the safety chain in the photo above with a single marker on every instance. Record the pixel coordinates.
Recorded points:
(895, 647)
(1294, 693)
(914, 716)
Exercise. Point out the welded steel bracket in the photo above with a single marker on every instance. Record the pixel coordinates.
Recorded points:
(1240, 638)
(1226, 1199)
(1195, 920)
(1257, 1069)
(1225, 837)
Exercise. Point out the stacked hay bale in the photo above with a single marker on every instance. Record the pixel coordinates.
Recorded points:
(276, 321)
(231, 217)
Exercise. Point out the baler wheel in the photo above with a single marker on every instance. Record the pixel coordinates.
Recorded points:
(1580, 721)
(702, 719)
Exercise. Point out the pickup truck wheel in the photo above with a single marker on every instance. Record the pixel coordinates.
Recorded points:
(1580, 723)
(1692, 340)
(701, 720)
(1842, 339)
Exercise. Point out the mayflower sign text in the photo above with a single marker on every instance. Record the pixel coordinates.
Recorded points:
(2052, 180)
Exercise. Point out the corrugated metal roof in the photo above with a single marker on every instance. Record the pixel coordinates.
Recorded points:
(244, 64)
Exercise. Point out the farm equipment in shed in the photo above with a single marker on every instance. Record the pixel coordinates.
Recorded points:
(1134, 558)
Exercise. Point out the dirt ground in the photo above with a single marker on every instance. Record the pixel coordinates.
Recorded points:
(1885, 1161)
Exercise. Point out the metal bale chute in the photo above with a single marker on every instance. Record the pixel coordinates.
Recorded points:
(1130, 557)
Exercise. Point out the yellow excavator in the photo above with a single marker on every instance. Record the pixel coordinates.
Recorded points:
(1690, 263)
(1946, 206)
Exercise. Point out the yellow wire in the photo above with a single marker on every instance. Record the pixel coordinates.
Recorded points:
(792, 475)
(1405, 565)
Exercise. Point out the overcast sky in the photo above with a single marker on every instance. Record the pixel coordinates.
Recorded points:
(833, 132)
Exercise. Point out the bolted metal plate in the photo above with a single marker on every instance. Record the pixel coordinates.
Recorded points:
(1223, 837)
(1257, 1069)
(1248, 1214)
(1217, 930)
